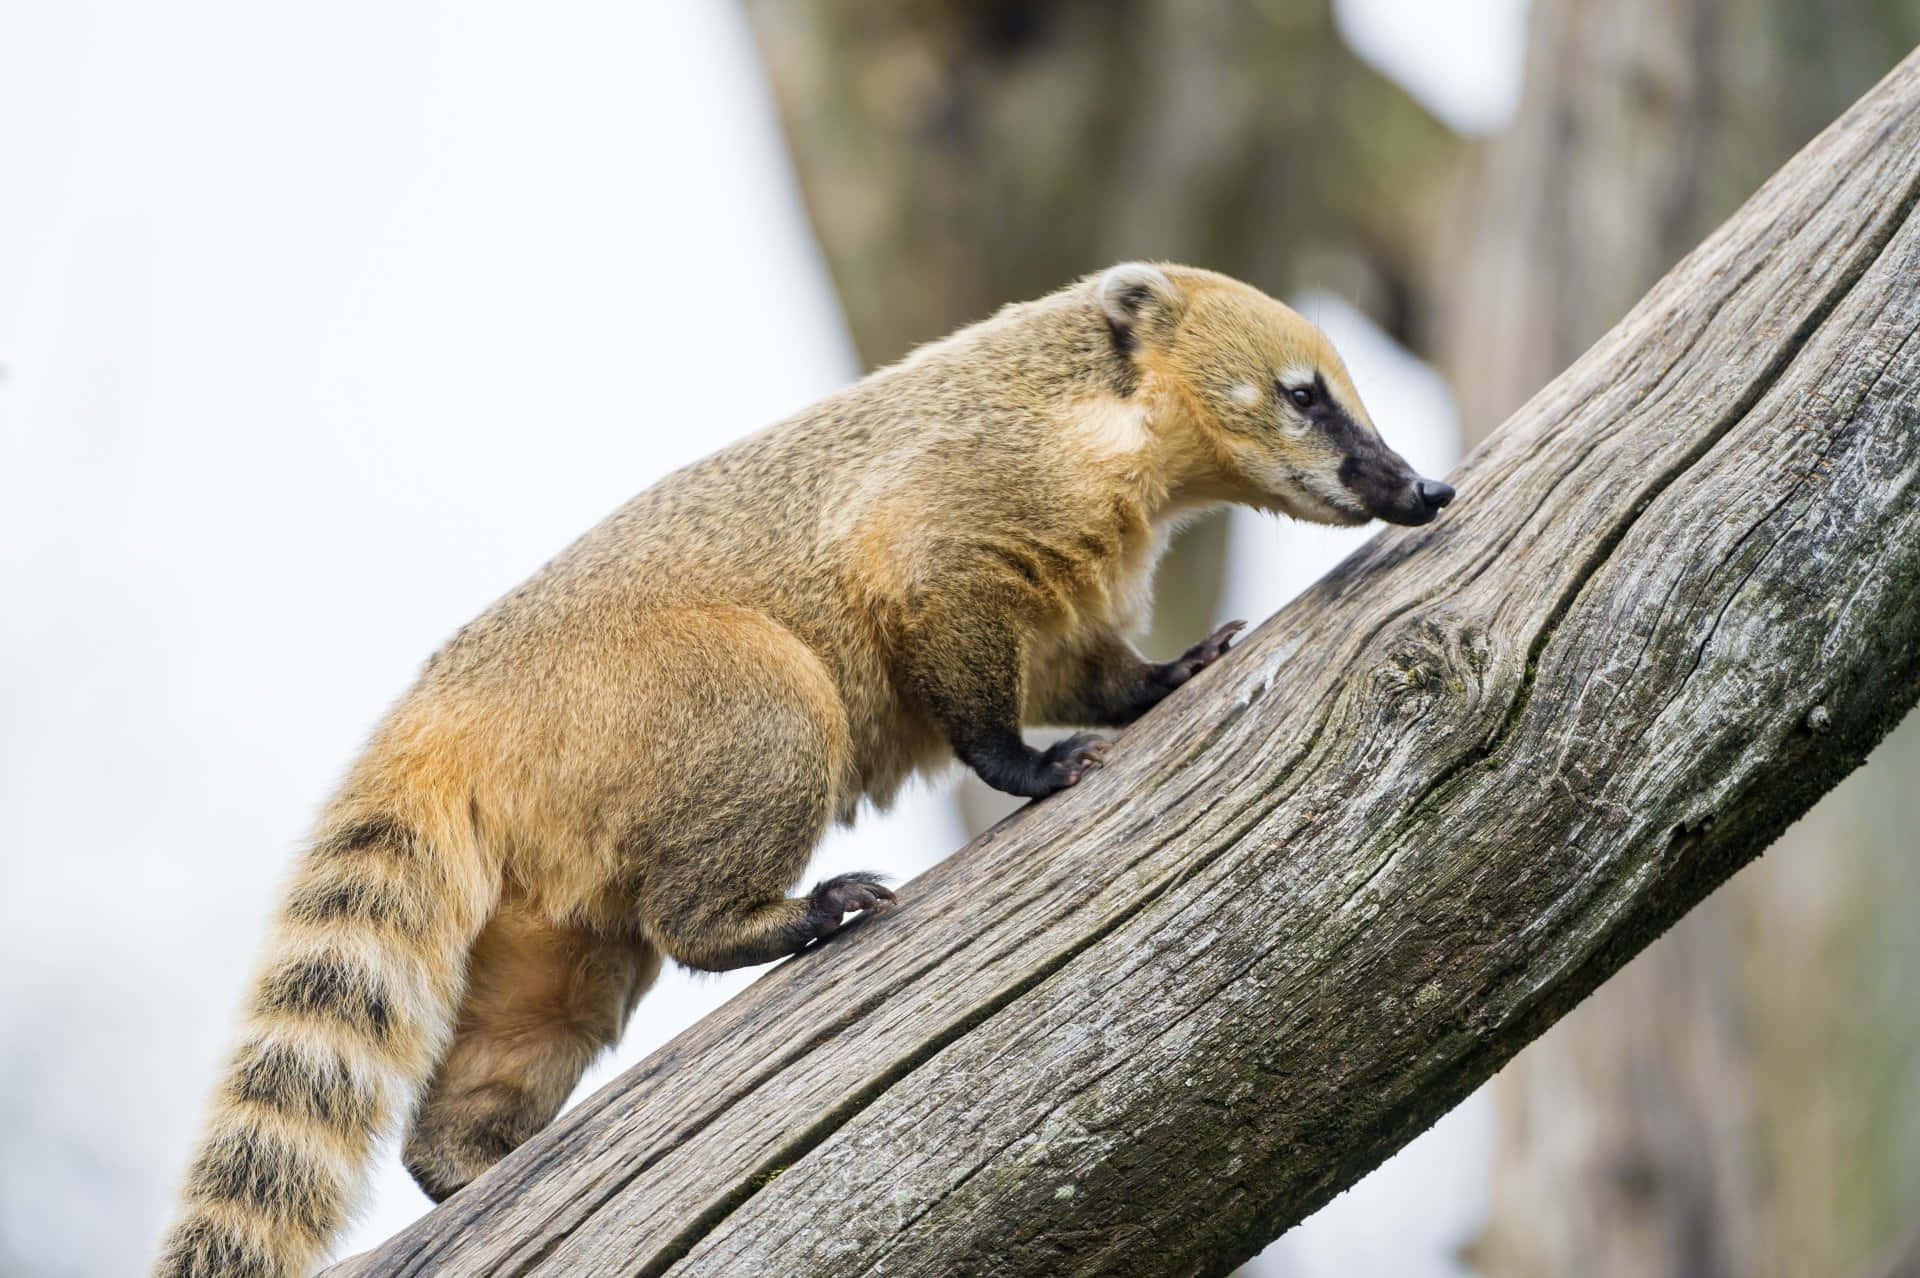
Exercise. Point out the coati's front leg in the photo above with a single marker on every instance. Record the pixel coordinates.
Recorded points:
(1110, 684)
(962, 659)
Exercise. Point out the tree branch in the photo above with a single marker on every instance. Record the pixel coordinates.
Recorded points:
(1328, 888)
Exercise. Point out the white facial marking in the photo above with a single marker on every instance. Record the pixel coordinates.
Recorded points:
(1245, 394)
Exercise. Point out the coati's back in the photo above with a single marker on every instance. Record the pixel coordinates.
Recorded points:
(782, 518)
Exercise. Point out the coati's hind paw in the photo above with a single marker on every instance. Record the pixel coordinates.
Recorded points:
(842, 895)
(1201, 655)
(1064, 762)
(455, 1138)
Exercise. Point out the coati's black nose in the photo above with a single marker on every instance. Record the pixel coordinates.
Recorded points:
(1433, 493)
(1407, 499)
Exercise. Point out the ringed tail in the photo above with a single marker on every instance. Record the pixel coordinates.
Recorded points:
(346, 1020)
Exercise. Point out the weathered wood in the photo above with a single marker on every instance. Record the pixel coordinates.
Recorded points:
(1313, 900)
(1710, 1111)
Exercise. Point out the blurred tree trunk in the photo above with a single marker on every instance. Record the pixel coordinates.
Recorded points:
(1740, 1100)
(958, 154)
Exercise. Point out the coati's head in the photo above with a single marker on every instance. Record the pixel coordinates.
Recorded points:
(1268, 395)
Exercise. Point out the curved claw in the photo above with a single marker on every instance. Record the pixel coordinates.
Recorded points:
(1215, 645)
(1205, 653)
(845, 894)
(1070, 759)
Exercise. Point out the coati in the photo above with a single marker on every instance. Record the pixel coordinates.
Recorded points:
(631, 756)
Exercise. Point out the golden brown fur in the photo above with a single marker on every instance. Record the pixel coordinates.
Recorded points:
(633, 754)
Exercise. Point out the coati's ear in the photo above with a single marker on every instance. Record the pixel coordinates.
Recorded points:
(1139, 301)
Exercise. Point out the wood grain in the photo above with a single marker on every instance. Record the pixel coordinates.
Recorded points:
(1327, 889)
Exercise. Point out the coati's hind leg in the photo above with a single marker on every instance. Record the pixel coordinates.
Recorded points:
(541, 1003)
(734, 810)
(744, 927)
(715, 890)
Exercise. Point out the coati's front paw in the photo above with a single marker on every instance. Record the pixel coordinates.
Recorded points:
(843, 894)
(1064, 762)
(1201, 655)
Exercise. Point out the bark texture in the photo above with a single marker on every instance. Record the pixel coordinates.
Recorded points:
(1711, 1111)
(1323, 892)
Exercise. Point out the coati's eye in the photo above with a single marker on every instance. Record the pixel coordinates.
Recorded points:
(1301, 395)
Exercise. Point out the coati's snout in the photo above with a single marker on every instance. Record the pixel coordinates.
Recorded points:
(1429, 495)
(1368, 480)
(1390, 489)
